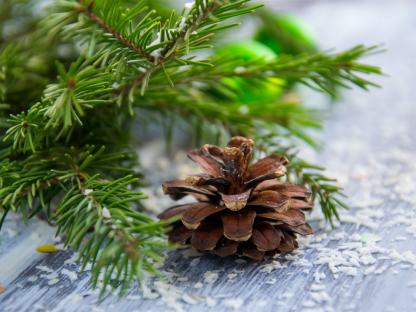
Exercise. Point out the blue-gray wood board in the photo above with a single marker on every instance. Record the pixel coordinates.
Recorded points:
(368, 263)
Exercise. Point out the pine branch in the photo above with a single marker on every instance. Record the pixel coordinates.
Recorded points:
(97, 216)
(88, 11)
(119, 242)
(319, 71)
(325, 190)
(43, 174)
(193, 90)
(158, 44)
(283, 116)
(62, 107)
(79, 88)
(64, 102)
(23, 75)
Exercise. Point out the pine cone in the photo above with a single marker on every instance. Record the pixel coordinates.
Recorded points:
(242, 209)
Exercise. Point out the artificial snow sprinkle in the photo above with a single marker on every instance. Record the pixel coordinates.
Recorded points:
(232, 276)
(271, 281)
(195, 262)
(233, 303)
(87, 192)
(244, 109)
(210, 277)
(190, 298)
(106, 213)
(412, 284)
(44, 268)
(11, 232)
(53, 281)
(211, 302)
(133, 297)
(239, 69)
(170, 295)
(71, 275)
(46, 248)
(189, 5)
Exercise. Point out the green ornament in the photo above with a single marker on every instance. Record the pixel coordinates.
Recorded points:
(247, 50)
(285, 33)
(250, 92)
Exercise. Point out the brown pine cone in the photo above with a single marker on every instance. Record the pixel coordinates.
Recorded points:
(242, 209)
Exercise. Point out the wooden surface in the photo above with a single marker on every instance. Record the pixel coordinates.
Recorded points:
(367, 264)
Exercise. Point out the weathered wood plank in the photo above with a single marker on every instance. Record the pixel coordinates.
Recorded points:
(371, 144)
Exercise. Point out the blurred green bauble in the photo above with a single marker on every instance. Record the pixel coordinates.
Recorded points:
(248, 90)
(285, 34)
(247, 50)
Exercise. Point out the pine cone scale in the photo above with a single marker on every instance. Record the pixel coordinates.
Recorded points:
(270, 199)
(304, 229)
(266, 237)
(208, 165)
(179, 234)
(300, 204)
(227, 248)
(288, 244)
(287, 189)
(274, 165)
(241, 209)
(291, 217)
(206, 236)
(236, 202)
(196, 213)
(253, 253)
(175, 211)
(238, 226)
(178, 189)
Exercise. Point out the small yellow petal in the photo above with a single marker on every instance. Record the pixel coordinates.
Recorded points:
(2, 289)
(46, 248)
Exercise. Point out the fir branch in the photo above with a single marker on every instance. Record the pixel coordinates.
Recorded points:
(98, 217)
(319, 71)
(63, 105)
(79, 88)
(122, 243)
(158, 44)
(199, 13)
(193, 90)
(43, 174)
(23, 75)
(285, 117)
(205, 14)
(325, 190)
(88, 11)
(25, 131)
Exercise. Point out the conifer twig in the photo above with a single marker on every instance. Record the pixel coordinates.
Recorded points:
(107, 27)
